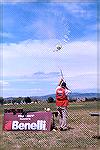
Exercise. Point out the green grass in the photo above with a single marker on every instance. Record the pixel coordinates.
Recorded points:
(80, 137)
(40, 106)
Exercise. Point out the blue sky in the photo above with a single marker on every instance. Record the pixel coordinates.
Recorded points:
(29, 35)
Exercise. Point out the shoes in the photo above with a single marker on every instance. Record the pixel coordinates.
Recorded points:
(61, 129)
(64, 129)
(55, 129)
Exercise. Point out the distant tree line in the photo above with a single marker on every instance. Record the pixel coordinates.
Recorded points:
(21, 100)
(84, 99)
(1, 100)
(14, 100)
(50, 100)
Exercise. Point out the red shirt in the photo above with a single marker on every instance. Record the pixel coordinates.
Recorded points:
(62, 97)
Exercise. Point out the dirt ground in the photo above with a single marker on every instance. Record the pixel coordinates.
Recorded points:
(80, 137)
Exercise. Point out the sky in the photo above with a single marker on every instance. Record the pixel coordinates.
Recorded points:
(30, 32)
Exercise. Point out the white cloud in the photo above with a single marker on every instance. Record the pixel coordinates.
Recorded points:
(83, 81)
(43, 87)
(9, 92)
(78, 9)
(45, 48)
(4, 83)
(27, 48)
(32, 56)
(31, 90)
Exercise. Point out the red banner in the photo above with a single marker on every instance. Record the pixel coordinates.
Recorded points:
(40, 121)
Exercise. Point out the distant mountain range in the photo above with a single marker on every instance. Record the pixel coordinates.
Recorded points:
(72, 95)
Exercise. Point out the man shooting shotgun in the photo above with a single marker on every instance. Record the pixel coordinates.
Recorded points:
(62, 102)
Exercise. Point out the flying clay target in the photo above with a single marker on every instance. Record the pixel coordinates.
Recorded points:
(58, 46)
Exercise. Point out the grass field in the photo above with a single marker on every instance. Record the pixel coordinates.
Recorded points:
(80, 137)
